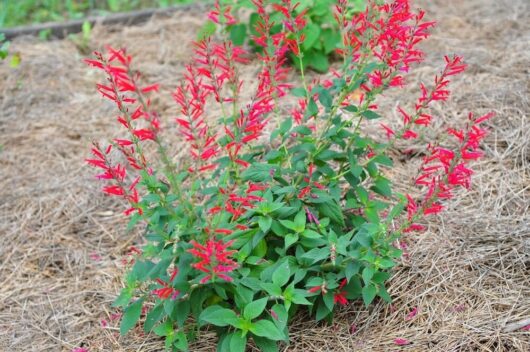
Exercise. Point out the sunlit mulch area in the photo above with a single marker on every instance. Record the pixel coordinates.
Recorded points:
(63, 241)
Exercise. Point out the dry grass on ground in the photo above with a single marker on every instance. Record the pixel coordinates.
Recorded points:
(62, 241)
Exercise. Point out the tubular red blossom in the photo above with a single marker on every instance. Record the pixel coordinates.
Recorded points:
(216, 62)
(414, 228)
(389, 132)
(412, 207)
(214, 259)
(410, 134)
(340, 296)
(116, 173)
(444, 169)
(221, 14)
(191, 99)
(166, 291)
(314, 289)
(223, 231)
(215, 210)
(123, 90)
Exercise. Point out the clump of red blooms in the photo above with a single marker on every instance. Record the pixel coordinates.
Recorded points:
(277, 207)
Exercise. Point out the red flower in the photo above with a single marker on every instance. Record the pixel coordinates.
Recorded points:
(412, 313)
(401, 342)
(340, 296)
(314, 289)
(166, 291)
(214, 259)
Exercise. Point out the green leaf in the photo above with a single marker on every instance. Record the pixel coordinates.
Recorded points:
(331, 39)
(286, 125)
(180, 341)
(312, 34)
(218, 316)
(254, 309)
(383, 160)
(311, 110)
(283, 316)
(333, 211)
(238, 34)
(153, 317)
(325, 98)
(238, 342)
(290, 239)
(380, 277)
(299, 297)
(322, 311)
(299, 221)
(369, 293)
(385, 263)
(317, 254)
(164, 329)
(130, 316)
(124, 298)
(371, 115)
(282, 274)
(206, 30)
(266, 328)
(351, 269)
(318, 61)
(180, 312)
(265, 223)
(383, 293)
(328, 299)
(311, 234)
(265, 345)
(288, 224)
(382, 187)
(351, 108)
(368, 273)
(272, 289)
(257, 173)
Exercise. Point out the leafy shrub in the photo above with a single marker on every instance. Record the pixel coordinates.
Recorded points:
(276, 211)
(322, 32)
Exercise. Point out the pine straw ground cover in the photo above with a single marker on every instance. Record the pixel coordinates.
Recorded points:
(62, 241)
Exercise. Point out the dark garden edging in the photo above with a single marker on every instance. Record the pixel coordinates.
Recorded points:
(62, 29)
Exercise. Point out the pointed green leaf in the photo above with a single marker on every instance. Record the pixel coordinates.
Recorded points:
(130, 316)
(282, 274)
(290, 239)
(254, 309)
(369, 293)
(265, 223)
(218, 316)
(266, 328)
(238, 342)
(265, 345)
(368, 273)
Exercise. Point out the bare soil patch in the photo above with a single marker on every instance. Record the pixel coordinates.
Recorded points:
(62, 241)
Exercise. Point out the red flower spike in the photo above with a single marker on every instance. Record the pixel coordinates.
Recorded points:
(214, 259)
(340, 296)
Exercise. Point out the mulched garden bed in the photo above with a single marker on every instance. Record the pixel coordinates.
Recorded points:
(63, 241)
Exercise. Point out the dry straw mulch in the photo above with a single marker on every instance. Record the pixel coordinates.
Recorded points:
(62, 241)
